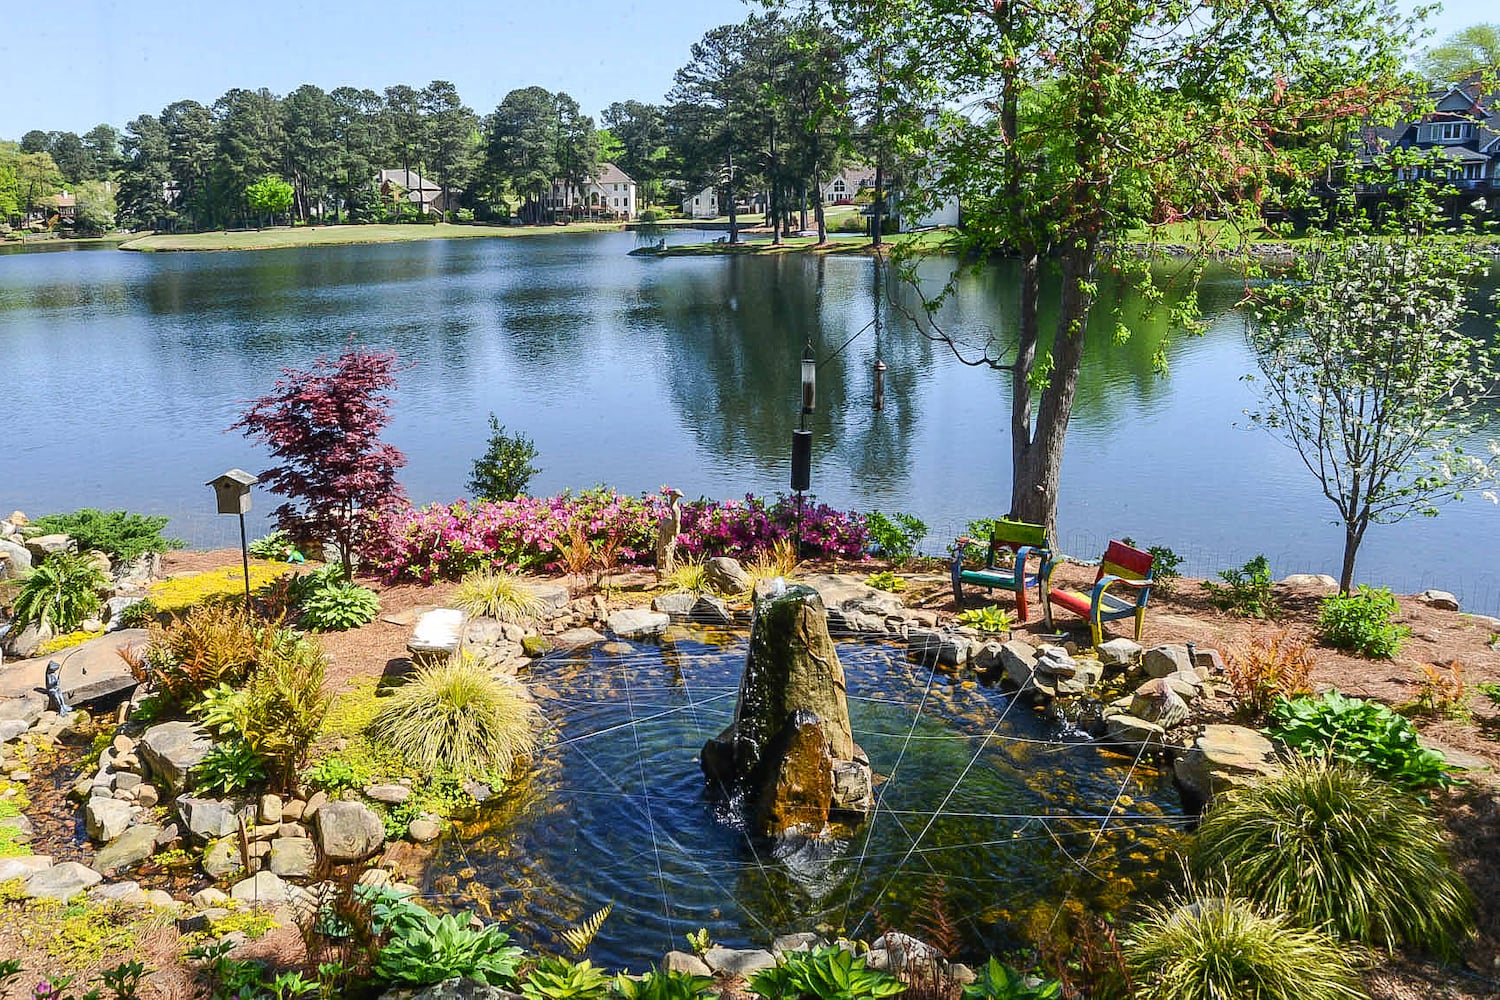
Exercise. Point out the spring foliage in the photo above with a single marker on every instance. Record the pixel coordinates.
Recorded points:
(59, 594)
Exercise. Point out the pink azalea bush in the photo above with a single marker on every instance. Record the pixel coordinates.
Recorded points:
(448, 540)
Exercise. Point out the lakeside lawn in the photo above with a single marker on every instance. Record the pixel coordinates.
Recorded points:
(313, 236)
(759, 244)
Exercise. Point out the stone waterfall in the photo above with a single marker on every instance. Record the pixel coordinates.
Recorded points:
(790, 749)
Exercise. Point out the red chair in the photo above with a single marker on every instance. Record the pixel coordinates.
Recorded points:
(1123, 568)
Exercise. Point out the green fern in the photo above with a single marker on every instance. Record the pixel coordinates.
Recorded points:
(579, 938)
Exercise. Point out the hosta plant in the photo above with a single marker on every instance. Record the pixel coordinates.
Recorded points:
(1358, 732)
(1225, 949)
(666, 984)
(828, 973)
(229, 767)
(426, 949)
(1336, 847)
(994, 981)
(989, 619)
(560, 979)
(885, 580)
(337, 607)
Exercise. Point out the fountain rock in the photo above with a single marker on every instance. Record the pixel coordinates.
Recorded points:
(790, 745)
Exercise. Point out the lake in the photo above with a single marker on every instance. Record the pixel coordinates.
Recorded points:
(122, 371)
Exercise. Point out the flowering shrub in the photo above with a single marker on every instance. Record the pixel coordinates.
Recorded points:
(449, 540)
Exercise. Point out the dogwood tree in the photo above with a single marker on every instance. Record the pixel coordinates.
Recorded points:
(1368, 371)
(323, 425)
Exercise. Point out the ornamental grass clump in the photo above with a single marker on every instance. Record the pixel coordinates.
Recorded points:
(493, 593)
(455, 716)
(1336, 847)
(1224, 949)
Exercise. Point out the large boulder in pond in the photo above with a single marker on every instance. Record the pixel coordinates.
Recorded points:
(796, 786)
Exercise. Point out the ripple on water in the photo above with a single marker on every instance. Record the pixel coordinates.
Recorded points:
(990, 808)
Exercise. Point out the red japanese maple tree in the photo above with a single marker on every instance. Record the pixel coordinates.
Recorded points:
(323, 424)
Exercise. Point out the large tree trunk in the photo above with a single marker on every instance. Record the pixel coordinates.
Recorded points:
(1354, 533)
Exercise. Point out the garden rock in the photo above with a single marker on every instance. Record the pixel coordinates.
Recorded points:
(928, 646)
(801, 941)
(638, 623)
(1164, 660)
(710, 610)
(104, 819)
(222, 858)
(1223, 757)
(1311, 581)
(905, 950)
(1156, 701)
(11, 729)
(851, 593)
(1120, 653)
(43, 546)
(293, 856)
(1131, 733)
(676, 605)
(25, 643)
(210, 897)
(270, 809)
(726, 575)
(1440, 599)
(16, 557)
(117, 892)
(62, 881)
(577, 638)
(349, 831)
(685, 962)
(170, 751)
(23, 867)
(262, 889)
(130, 847)
(423, 831)
(554, 597)
(1019, 661)
(206, 819)
(27, 708)
(391, 795)
(987, 658)
(436, 636)
(735, 962)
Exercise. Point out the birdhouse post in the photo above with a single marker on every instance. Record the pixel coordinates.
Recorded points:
(232, 490)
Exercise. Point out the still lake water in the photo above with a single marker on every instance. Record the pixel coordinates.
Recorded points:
(121, 372)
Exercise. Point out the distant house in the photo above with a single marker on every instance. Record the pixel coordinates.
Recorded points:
(610, 192)
(946, 214)
(411, 186)
(67, 206)
(841, 188)
(1462, 130)
(703, 205)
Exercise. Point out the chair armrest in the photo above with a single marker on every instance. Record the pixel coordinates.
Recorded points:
(1044, 577)
(1106, 582)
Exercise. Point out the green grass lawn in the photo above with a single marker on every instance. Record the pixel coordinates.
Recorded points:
(316, 236)
(838, 243)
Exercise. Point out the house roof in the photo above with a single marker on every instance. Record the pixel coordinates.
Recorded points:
(66, 200)
(1460, 154)
(410, 180)
(611, 174)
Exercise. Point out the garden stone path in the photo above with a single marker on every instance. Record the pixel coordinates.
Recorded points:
(90, 670)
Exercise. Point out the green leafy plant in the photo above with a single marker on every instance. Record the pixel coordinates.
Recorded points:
(493, 593)
(560, 979)
(229, 768)
(119, 534)
(1338, 847)
(336, 774)
(456, 716)
(504, 470)
(699, 941)
(666, 984)
(1166, 566)
(283, 704)
(141, 614)
(336, 607)
(1358, 732)
(1361, 623)
(1217, 949)
(994, 981)
(59, 594)
(896, 537)
(828, 973)
(426, 949)
(885, 580)
(1490, 690)
(218, 709)
(1246, 590)
(272, 546)
(991, 619)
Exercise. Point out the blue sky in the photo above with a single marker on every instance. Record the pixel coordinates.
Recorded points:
(71, 66)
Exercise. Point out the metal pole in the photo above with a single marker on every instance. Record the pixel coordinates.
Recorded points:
(245, 561)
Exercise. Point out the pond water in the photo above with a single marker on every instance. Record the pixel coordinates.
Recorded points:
(121, 372)
(989, 817)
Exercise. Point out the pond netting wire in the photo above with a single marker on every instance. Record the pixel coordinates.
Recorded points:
(697, 697)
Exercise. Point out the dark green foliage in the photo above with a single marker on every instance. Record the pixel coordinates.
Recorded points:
(1489, 690)
(139, 615)
(229, 768)
(1335, 846)
(1222, 949)
(59, 593)
(560, 979)
(1166, 566)
(994, 981)
(1361, 623)
(829, 973)
(1246, 590)
(247, 979)
(1359, 732)
(273, 546)
(505, 469)
(895, 537)
(119, 534)
(666, 984)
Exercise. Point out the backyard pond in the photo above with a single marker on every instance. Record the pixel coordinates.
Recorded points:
(991, 815)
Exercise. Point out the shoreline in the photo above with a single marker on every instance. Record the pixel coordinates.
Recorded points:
(341, 235)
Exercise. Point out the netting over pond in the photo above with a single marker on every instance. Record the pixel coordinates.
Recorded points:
(990, 816)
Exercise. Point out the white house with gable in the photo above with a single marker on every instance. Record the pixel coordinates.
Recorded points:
(610, 192)
(703, 205)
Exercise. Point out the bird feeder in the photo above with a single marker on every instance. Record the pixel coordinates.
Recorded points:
(232, 490)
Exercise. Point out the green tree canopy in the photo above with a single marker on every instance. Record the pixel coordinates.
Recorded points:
(94, 209)
(270, 195)
(1475, 49)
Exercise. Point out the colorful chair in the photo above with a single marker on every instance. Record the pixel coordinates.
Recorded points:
(1124, 568)
(1025, 541)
